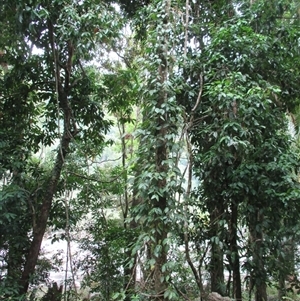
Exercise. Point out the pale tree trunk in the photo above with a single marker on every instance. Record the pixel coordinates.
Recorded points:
(129, 272)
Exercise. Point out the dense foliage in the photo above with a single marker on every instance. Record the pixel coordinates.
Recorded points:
(157, 141)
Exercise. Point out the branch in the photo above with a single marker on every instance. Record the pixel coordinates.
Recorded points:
(94, 179)
(181, 293)
(199, 95)
(104, 161)
(126, 61)
(68, 67)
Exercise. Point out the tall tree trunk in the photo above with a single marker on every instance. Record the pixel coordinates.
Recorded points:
(130, 272)
(287, 264)
(161, 231)
(161, 156)
(258, 277)
(234, 252)
(155, 156)
(217, 254)
(197, 273)
(281, 287)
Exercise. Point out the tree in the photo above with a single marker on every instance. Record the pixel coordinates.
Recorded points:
(55, 81)
(232, 132)
(157, 184)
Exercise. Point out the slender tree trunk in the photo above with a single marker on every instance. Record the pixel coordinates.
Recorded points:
(234, 252)
(161, 129)
(228, 285)
(258, 277)
(130, 273)
(217, 269)
(260, 284)
(289, 246)
(217, 255)
(196, 273)
(281, 287)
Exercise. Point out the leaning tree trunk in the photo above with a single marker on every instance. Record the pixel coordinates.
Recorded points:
(41, 221)
(63, 89)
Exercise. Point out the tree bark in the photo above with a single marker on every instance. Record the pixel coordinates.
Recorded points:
(281, 287)
(130, 273)
(234, 253)
(288, 268)
(41, 222)
(258, 277)
(216, 260)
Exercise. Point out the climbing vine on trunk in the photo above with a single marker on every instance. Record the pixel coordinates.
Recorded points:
(157, 183)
